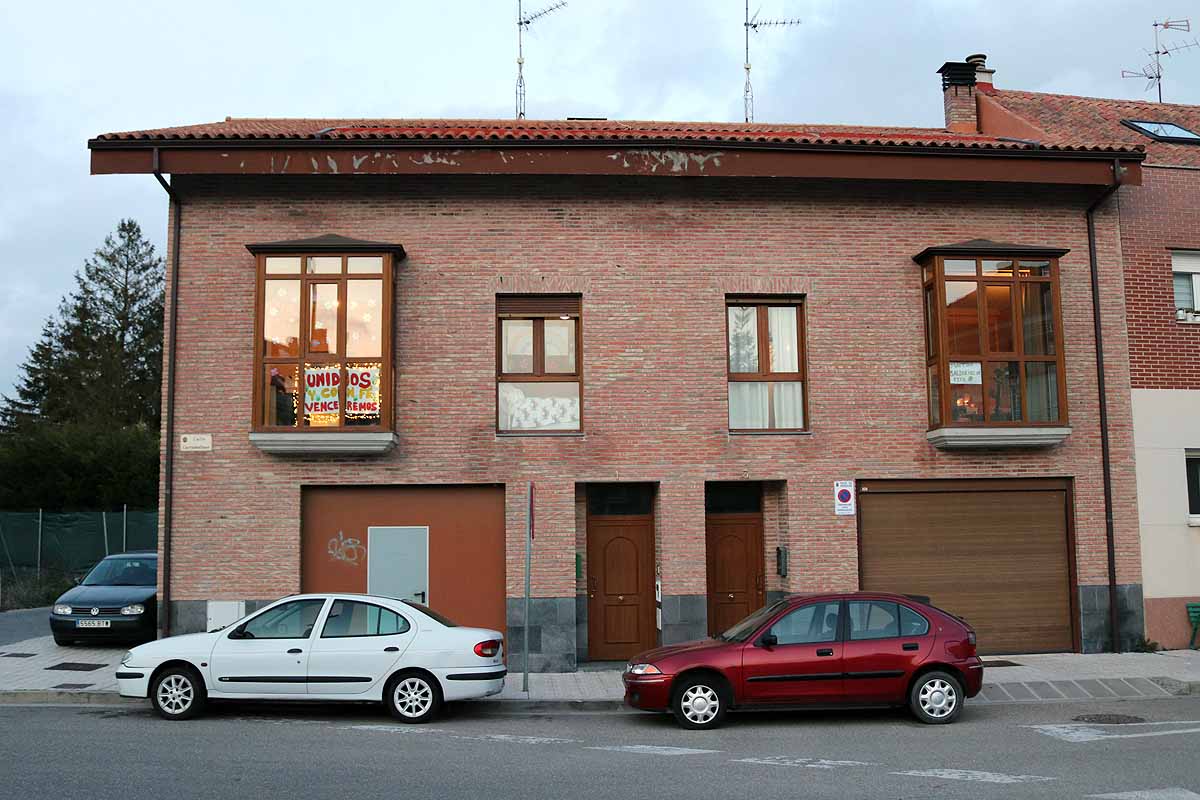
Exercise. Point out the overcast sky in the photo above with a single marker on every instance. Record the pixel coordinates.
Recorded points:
(69, 71)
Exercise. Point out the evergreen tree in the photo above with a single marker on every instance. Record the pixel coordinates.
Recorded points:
(100, 361)
(82, 429)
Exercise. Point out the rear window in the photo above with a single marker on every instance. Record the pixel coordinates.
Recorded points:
(429, 612)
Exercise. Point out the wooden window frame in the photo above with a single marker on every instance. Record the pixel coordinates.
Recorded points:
(761, 305)
(539, 374)
(262, 361)
(934, 277)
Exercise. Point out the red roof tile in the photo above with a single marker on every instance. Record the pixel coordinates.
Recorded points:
(1065, 117)
(566, 131)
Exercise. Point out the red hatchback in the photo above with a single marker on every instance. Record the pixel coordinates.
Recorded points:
(859, 649)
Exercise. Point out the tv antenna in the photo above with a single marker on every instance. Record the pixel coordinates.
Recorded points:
(523, 22)
(1152, 72)
(754, 24)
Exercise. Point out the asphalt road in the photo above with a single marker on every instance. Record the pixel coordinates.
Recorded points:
(356, 751)
(17, 626)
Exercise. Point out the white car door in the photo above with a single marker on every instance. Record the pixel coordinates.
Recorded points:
(357, 646)
(268, 654)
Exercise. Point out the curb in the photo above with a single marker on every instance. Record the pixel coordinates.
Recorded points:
(62, 697)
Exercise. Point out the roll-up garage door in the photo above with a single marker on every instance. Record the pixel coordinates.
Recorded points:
(996, 553)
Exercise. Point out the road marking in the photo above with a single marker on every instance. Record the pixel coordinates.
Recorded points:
(812, 763)
(973, 775)
(1098, 732)
(1173, 793)
(392, 729)
(654, 750)
(510, 737)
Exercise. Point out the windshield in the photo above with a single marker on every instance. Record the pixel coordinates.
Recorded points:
(741, 631)
(124, 571)
(429, 612)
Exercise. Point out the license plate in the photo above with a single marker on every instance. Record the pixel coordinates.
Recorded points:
(92, 623)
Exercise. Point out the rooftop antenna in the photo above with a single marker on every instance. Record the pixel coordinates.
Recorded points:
(523, 22)
(753, 24)
(1152, 72)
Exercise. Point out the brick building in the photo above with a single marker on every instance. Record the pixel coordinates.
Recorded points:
(1160, 239)
(682, 336)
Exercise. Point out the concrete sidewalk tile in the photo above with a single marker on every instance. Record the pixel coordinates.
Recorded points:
(1120, 688)
(1095, 688)
(1147, 687)
(1044, 690)
(993, 694)
(1019, 691)
(1070, 690)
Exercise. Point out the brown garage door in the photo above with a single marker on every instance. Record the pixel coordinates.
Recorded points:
(996, 553)
(461, 547)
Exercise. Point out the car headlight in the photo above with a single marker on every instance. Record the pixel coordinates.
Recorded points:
(133, 610)
(644, 669)
(62, 608)
(125, 659)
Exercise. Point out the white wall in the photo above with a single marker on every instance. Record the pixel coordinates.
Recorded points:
(1166, 424)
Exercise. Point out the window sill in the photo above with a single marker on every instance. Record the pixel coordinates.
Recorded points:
(1194, 320)
(992, 438)
(319, 444)
(528, 434)
(767, 432)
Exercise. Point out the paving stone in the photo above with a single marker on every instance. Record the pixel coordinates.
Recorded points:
(1147, 687)
(1120, 688)
(1019, 691)
(1070, 689)
(1095, 688)
(1044, 690)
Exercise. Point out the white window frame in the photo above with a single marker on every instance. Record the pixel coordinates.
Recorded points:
(1184, 262)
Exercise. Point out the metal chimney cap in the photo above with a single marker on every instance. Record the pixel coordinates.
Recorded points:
(977, 59)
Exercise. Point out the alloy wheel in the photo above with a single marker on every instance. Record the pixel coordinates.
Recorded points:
(938, 698)
(700, 704)
(413, 697)
(175, 694)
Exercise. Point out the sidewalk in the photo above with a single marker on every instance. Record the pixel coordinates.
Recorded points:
(38, 670)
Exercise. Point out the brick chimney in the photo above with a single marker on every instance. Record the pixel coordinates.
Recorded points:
(958, 96)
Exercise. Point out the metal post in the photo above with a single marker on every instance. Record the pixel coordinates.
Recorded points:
(528, 560)
(104, 527)
(39, 552)
(7, 554)
(124, 527)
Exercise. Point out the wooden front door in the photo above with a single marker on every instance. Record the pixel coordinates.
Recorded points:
(734, 544)
(620, 558)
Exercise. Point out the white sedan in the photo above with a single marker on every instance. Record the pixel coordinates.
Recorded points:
(321, 647)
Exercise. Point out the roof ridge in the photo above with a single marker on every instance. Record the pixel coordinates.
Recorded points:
(1154, 103)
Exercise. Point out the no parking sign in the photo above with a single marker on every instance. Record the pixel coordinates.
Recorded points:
(843, 498)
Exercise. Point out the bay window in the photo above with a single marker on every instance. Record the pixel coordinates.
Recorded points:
(539, 363)
(993, 337)
(766, 365)
(323, 333)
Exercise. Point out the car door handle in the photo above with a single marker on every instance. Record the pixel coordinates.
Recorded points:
(295, 650)
(825, 651)
(910, 646)
(391, 649)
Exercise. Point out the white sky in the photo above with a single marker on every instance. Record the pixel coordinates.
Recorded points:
(70, 70)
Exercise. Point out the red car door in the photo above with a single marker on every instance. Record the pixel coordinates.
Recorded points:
(885, 643)
(798, 659)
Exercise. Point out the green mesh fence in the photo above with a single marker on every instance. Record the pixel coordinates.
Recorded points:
(72, 541)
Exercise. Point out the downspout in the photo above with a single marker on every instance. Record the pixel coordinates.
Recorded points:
(169, 422)
(1114, 623)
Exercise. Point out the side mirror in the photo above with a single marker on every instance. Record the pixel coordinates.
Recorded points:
(768, 640)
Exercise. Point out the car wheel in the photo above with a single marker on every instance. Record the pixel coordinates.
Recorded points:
(58, 640)
(936, 698)
(177, 693)
(700, 703)
(412, 697)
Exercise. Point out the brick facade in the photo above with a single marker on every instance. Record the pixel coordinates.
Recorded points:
(1162, 215)
(653, 259)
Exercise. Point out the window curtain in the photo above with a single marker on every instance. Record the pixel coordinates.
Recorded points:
(781, 323)
(788, 404)
(749, 406)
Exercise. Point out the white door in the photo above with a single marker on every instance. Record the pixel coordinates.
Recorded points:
(268, 654)
(358, 644)
(398, 562)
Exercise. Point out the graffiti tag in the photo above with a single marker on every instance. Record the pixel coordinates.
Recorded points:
(350, 550)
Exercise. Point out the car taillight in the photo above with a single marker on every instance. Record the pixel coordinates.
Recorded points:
(487, 649)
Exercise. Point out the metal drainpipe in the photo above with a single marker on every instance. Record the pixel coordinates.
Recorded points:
(1114, 623)
(169, 427)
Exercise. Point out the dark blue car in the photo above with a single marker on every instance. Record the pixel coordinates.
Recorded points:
(117, 601)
